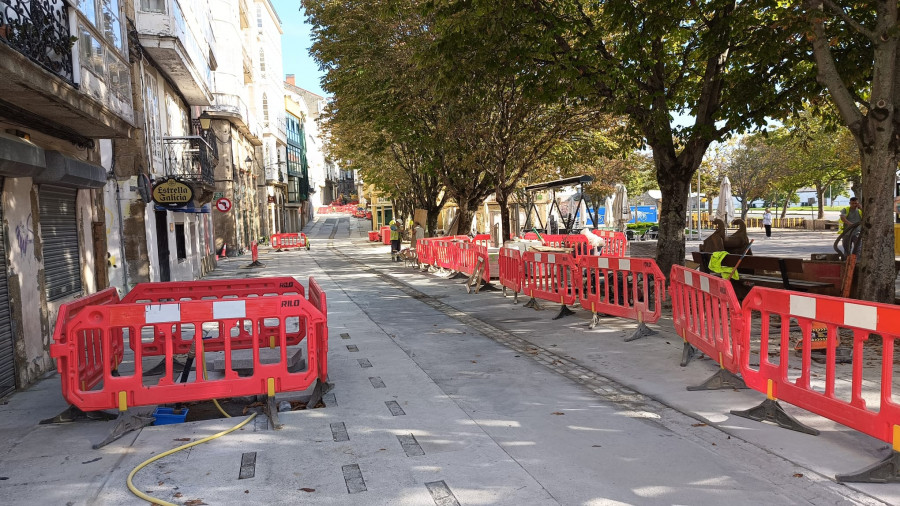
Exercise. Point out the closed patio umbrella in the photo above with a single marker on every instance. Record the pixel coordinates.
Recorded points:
(725, 209)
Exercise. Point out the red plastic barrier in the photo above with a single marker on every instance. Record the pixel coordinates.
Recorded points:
(630, 288)
(482, 240)
(530, 236)
(86, 345)
(385, 235)
(466, 257)
(510, 264)
(374, 235)
(707, 315)
(216, 289)
(225, 316)
(446, 254)
(550, 276)
(289, 241)
(615, 243)
(776, 377)
(319, 301)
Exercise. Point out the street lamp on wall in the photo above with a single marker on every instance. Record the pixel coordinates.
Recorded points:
(205, 121)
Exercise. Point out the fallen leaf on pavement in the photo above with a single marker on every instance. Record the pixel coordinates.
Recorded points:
(194, 502)
(698, 425)
(182, 439)
(798, 475)
(557, 413)
(306, 489)
(178, 494)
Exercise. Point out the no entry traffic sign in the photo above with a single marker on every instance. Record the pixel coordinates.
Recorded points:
(223, 204)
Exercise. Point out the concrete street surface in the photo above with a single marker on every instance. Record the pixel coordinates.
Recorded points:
(444, 397)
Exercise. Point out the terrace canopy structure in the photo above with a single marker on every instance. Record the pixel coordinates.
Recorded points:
(569, 219)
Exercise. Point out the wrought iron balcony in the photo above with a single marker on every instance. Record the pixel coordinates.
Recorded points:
(191, 158)
(39, 29)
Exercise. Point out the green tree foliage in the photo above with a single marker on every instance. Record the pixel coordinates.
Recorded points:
(723, 64)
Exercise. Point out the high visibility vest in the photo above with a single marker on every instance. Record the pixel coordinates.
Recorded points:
(715, 265)
(846, 210)
(395, 233)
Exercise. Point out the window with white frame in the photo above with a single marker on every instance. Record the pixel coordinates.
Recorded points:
(154, 127)
(153, 5)
(265, 110)
(102, 46)
(262, 62)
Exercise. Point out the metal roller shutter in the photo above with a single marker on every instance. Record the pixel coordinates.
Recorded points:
(7, 357)
(59, 237)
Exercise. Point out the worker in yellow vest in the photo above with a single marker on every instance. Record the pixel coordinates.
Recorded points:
(850, 216)
(395, 241)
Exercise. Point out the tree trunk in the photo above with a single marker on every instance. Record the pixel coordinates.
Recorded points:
(503, 202)
(744, 209)
(670, 247)
(787, 202)
(431, 219)
(464, 222)
(877, 272)
(820, 194)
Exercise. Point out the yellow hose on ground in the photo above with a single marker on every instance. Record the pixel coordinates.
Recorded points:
(143, 464)
(203, 365)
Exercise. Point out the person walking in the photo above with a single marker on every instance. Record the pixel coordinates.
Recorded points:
(767, 222)
(849, 216)
(395, 241)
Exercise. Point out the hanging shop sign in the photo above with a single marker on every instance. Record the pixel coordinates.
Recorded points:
(172, 193)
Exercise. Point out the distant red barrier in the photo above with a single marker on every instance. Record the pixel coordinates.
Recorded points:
(482, 240)
(630, 288)
(374, 235)
(615, 243)
(551, 276)
(214, 289)
(223, 317)
(445, 255)
(386, 235)
(510, 265)
(707, 315)
(289, 241)
(85, 345)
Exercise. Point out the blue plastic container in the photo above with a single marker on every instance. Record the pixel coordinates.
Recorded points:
(168, 416)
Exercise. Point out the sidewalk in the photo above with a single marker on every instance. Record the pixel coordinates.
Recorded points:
(441, 395)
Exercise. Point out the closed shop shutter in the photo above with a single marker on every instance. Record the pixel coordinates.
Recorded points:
(7, 360)
(59, 237)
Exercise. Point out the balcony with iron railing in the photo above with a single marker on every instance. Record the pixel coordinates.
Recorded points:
(40, 31)
(191, 159)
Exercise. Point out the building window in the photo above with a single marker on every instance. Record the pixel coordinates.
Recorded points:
(153, 5)
(262, 62)
(180, 248)
(265, 110)
(259, 18)
(102, 48)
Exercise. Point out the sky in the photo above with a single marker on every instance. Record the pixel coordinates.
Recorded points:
(295, 45)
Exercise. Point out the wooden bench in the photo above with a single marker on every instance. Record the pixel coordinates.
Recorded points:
(752, 265)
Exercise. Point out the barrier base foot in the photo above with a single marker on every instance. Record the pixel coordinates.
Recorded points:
(563, 311)
(455, 275)
(515, 297)
(641, 331)
(321, 388)
(256, 263)
(127, 421)
(885, 471)
(271, 410)
(722, 379)
(533, 304)
(73, 414)
(687, 354)
(595, 320)
(771, 411)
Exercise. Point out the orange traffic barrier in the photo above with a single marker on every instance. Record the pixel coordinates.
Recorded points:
(482, 240)
(445, 255)
(374, 235)
(289, 241)
(630, 288)
(553, 277)
(214, 289)
(615, 243)
(219, 318)
(707, 315)
(86, 345)
(818, 391)
(318, 300)
(510, 264)
(386, 235)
